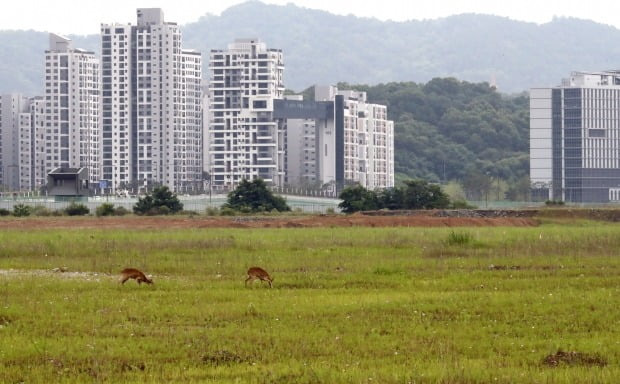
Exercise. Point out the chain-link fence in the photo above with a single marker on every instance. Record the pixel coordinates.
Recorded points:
(197, 203)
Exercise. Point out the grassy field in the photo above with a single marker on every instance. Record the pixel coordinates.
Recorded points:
(349, 305)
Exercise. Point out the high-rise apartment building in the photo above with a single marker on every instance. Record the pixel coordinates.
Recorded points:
(16, 130)
(338, 138)
(301, 160)
(575, 139)
(368, 142)
(72, 135)
(21, 145)
(190, 140)
(151, 101)
(244, 139)
(37, 116)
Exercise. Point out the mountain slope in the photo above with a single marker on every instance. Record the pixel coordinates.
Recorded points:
(448, 129)
(323, 48)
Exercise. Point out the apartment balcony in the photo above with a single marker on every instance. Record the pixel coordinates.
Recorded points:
(264, 163)
(263, 145)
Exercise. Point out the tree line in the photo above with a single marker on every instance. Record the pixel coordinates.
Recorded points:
(466, 136)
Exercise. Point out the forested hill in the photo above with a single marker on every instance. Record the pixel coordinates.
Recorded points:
(322, 48)
(448, 129)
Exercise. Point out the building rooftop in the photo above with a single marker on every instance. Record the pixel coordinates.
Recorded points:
(66, 171)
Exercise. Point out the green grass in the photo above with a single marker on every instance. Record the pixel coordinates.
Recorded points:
(349, 305)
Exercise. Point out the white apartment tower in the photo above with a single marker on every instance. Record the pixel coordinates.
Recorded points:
(16, 151)
(338, 139)
(301, 164)
(71, 127)
(190, 142)
(152, 128)
(368, 142)
(244, 139)
(359, 148)
(22, 147)
(37, 116)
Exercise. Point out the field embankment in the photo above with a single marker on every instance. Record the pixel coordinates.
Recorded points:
(439, 218)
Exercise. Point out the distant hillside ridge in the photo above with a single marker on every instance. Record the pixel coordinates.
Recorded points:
(322, 48)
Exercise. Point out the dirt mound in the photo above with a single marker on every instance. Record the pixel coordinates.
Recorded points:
(601, 214)
(420, 219)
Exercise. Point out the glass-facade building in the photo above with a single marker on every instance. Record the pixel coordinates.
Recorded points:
(575, 139)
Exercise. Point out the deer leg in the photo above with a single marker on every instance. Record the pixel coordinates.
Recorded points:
(124, 279)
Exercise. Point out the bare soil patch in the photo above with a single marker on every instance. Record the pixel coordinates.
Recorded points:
(428, 219)
(56, 273)
(574, 358)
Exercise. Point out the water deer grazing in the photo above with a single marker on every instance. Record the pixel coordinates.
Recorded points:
(132, 273)
(258, 273)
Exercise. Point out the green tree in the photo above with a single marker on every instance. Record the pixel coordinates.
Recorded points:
(419, 194)
(105, 209)
(75, 209)
(144, 205)
(161, 202)
(254, 196)
(357, 198)
(391, 198)
(21, 210)
(446, 126)
(477, 185)
(454, 190)
(413, 194)
(520, 190)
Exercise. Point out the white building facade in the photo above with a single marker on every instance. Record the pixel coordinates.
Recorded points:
(152, 126)
(16, 150)
(368, 142)
(575, 139)
(244, 140)
(22, 146)
(301, 161)
(71, 115)
(358, 147)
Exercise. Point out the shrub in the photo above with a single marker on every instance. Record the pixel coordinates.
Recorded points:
(553, 203)
(105, 209)
(254, 196)
(420, 194)
(227, 211)
(161, 210)
(21, 210)
(120, 211)
(75, 209)
(461, 204)
(330, 211)
(413, 194)
(459, 238)
(4, 212)
(357, 198)
(40, 210)
(212, 211)
(161, 202)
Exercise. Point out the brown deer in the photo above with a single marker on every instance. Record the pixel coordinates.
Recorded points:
(258, 273)
(132, 273)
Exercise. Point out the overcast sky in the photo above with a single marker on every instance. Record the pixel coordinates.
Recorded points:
(84, 16)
